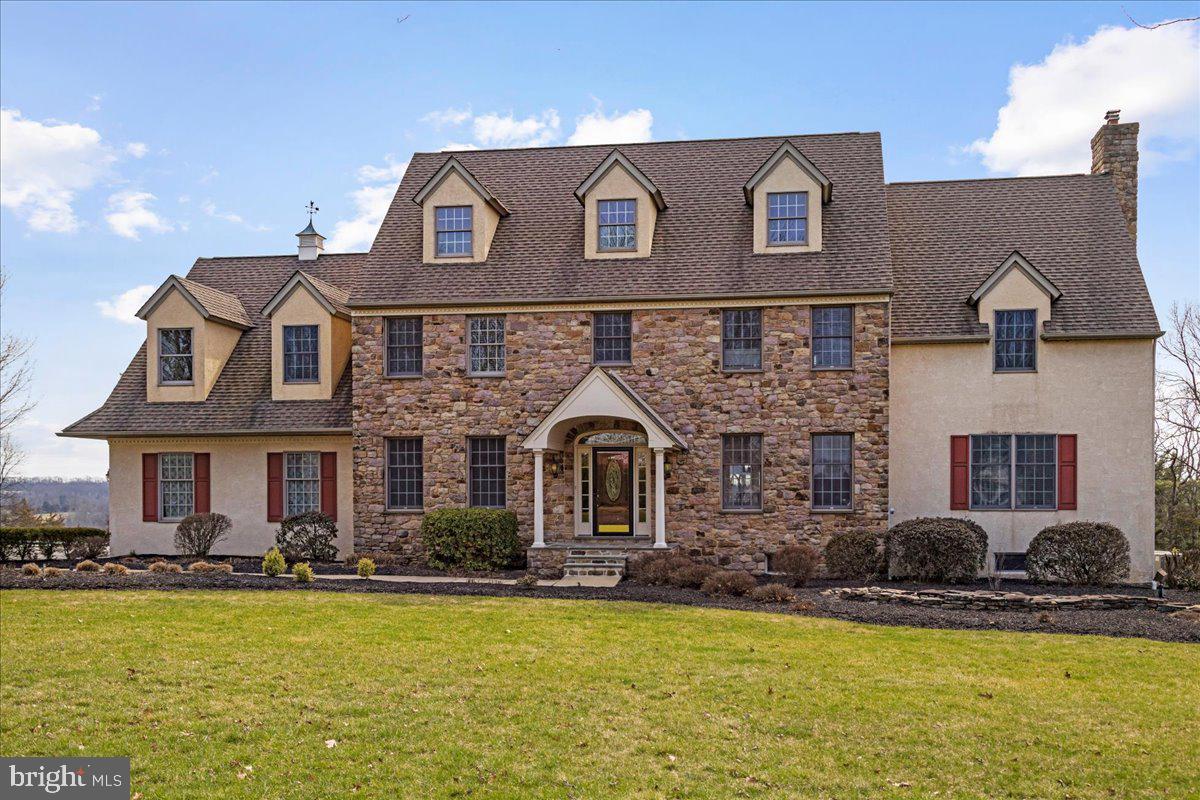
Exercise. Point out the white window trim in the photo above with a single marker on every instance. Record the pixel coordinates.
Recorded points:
(287, 512)
(191, 355)
(1012, 474)
(162, 516)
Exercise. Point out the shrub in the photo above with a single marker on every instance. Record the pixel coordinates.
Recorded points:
(526, 581)
(656, 569)
(32, 569)
(471, 538)
(52, 572)
(302, 572)
(274, 563)
(87, 547)
(852, 555)
(936, 549)
(28, 543)
(113, 568)
(165, 567)
(772, 593)
(729, 582)
(87, 566)
(1183, 570)
(690, 575)
(366, 568)
(198, 534)
(799, 562)
(310, 536)
(206, 567)
(1086, 553)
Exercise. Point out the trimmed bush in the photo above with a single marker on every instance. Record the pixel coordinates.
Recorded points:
(204, 567)
(471, 538)
(113, 568)
(656, 569)
(943, 549)
(52, 572)
(772, 593)
(1083, 553)
(198, 534)
(274, 564)
(308, 536)
(33, 570)
(28, 543)
(302, 572)
(87, 566)
(852, 555)
(734, 583)
(691, 575)
(86, 547)
(165, 567)
(527, 581)
(799, 562)
(1183, 570)
(366, 568)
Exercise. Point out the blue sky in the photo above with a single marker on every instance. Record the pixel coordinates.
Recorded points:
(138, 137)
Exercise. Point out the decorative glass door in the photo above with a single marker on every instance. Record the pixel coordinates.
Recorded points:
(612, 491)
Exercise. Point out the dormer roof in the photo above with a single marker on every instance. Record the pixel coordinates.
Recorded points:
(788, 150)
(210, 303)
(332, 298)
(617, 157)
(1015, 261)
(454, 165)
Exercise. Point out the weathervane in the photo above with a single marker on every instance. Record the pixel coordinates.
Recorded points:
(311, 208)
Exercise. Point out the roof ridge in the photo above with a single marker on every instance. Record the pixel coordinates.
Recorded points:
(278, 255)
(1000, 178)
(616, 145)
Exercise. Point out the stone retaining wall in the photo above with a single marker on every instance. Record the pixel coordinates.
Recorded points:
(1003, 601)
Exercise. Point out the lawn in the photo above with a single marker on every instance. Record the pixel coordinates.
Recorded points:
(242, 694)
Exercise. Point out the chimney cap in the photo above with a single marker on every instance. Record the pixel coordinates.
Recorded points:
(1112, 117)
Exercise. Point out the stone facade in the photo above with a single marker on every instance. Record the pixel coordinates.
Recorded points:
(1115, 151)
(676, 368)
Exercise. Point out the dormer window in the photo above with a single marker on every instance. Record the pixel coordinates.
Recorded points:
(175, 356)
(787, 218)
(454, 231)
(1016, 341)
(300, 354)
(618, 225)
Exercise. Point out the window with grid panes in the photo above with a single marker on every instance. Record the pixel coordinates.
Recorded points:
(176, 485)
(787, 218)
(486, 351)
(404, 346)
(741, 339)
(1016, 341)
(300, 363)
(612, 337)
(832, 471)
(453, 230)
(302, 483)
(486, 471)
(832, 345)
(741, 471)
(405, 473)
(618, 225)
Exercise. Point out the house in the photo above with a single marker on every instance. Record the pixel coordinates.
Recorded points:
(724, 346)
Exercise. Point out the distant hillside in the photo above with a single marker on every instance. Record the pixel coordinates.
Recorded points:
(80, 501)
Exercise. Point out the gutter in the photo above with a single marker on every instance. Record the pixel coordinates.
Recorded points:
(104, 435)
(949, 338)
(1060, 336)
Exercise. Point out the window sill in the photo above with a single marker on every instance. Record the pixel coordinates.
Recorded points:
(414, 376)
(728, 371)
(742, 511)
(1019, 510)
(787, 244)
(176, 383)
(833, 510)
(487, 374)
(302, 383)
(833, 369)
(1014, 371)
(404, 512)
(612, 363)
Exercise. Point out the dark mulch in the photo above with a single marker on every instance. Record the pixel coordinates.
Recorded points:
(1128, 623)
(254, 564)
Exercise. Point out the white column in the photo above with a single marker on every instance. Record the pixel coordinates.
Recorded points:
(660, 501)
(539, 532)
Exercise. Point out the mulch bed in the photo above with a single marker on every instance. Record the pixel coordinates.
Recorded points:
(1127, 623)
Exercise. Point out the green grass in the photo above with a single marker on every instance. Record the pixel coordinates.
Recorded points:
(234, 694)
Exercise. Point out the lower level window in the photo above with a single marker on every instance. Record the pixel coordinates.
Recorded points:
(832, 471)
(405, 474)
(486, 471)
(176, 485)
(1014, 471)
(741, 471)
(302, 483)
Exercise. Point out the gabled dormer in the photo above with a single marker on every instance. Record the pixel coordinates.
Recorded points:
(460, 216)
(788, 194)
(190, 331)
(620, 208)
(1015, 301)
(310, 338)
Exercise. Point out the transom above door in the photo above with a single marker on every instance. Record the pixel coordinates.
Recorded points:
(612, 484)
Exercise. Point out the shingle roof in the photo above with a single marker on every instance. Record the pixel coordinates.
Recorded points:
(338, 297)
(947, 237)
(220, 304)
(240, 400)
(701, 241)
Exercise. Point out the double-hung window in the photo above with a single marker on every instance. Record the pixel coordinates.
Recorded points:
(741, 471)
(832, 471)
(453, 230)
(405, 474)
(300, 363)
(302, 483)
(612, 337)
(486, 348)
(404, 350)
(486, 481)
(1014, 471)
(787, 218)
(832, 337)
(618, 225)
(1016, 341)
(174, 355)
(741, 340)
(176, 485)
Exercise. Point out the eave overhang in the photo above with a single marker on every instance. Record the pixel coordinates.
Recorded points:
(454, 165)
(616, 157)
(788, 150)
(1015, 261)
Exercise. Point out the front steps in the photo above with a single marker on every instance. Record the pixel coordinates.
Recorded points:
(594, 561)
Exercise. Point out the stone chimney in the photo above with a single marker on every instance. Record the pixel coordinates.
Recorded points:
(1114, 151)
(312, 244)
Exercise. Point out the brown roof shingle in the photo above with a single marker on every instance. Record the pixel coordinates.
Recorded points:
(948, 236)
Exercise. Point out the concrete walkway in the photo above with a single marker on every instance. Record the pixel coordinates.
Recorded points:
(585, 580)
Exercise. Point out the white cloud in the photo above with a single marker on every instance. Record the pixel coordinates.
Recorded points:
(124, 306)
(392, 170)
(129, 213)
(95, 102)
(137, 149)
(1056, 105)
(370, 205)
(596, 128)
(506, 131)
(210, 209)
(43, 166)
(447, 117)
(459, 146)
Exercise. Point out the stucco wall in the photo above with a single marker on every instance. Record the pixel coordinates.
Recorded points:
(238, 468)
(454, 191)
(787, 176)
(212, 342)
(618, 184)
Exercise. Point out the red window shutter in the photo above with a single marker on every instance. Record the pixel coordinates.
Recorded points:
(329, 485)
(274, 487)
(203, 494)
(960, 472)
(1068, 472)
(149, 487)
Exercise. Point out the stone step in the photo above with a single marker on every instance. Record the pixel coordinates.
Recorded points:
(593, 562)
(597, 551)
(578, 572)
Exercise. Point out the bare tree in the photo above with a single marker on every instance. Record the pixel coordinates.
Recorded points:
(16, 374)
(1177, 432)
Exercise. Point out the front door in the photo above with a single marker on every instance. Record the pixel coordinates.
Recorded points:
(612, 492)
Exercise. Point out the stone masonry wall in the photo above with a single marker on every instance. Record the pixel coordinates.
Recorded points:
(677, 370)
